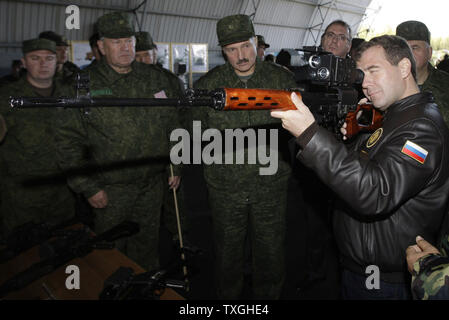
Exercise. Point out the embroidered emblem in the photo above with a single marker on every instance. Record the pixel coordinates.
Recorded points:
(414, 151)
(374, 138)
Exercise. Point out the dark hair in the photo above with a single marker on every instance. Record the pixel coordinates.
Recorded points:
(340, 23)
(396, 48)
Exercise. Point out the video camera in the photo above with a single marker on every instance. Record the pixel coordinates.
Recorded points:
(326, 83)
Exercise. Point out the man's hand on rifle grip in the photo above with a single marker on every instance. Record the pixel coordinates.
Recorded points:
(295, 121)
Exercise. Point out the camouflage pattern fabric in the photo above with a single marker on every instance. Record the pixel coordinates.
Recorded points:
(144, 41)
(236, 28)
(32, 186)
(115, 25)
(431, 278)
(38, 44)
(438, 84)
(244, 203)
(121, 148)
(67, 75)
(413, 30)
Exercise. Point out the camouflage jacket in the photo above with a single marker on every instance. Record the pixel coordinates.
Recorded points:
(438, 83)
(67, 74)
(431, 274)
(125, 145)
(245, 176)
(431, 278)
(28, 149)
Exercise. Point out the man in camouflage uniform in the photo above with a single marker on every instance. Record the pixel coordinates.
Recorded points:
(127, 147)
(29, 189)
(145, 49)
(245, 203)
(65, 69)
(429, 78)
(96, 54)
(261, 47)
(430, 269)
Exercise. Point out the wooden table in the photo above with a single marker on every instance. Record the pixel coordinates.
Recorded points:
(94, 269)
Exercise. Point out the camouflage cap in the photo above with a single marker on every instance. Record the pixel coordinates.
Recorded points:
(413, 30)
(144, 41)
(38, 44)
(53, 36)
(236, 28)
(115, 25)
(261, 41)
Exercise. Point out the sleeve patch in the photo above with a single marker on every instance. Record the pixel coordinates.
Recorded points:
(415, 151)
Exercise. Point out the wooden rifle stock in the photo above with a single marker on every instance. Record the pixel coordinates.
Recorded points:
(370, 119)
(270, 99)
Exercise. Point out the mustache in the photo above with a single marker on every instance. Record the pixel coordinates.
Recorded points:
(242, 61)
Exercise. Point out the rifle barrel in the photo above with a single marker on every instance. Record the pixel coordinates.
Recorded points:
(66, 102)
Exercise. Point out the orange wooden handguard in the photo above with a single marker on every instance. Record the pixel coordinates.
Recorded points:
(353, 125)
(258, 99)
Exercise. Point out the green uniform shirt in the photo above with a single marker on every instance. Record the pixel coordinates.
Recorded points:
(118, 145)
(29, 147)
(438, 83)
(244, 176)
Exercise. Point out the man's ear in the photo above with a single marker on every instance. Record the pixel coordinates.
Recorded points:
(100, 44)
(405, 67)
(23, 62)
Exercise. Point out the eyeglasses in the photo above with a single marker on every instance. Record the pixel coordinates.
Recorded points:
(339, 37)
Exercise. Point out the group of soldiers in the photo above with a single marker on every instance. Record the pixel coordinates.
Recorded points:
(117, 158)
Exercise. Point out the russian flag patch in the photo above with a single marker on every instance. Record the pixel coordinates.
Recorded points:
(414, 151)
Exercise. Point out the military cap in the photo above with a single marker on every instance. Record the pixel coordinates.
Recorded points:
(53, 36)
(261, 41)
(144, 41)
(236, 28)
(413, 30)
(115, 25)
(38, 44)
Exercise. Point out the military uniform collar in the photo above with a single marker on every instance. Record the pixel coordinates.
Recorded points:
(235, 78)
(23, 83)
(106, 70)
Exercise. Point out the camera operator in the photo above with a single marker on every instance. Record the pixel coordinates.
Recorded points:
(337, 38)
(318, 198)
(391, 186)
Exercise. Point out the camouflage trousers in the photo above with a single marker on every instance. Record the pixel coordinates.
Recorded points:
(260, 218)
(140, 203)
(19, 204)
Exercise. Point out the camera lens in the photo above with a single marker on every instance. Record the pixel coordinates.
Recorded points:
(323, 73)
(314, 61)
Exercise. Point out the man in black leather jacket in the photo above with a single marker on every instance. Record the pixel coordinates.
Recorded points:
(391, 186)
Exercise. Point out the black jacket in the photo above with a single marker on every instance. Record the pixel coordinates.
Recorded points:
(386, 198)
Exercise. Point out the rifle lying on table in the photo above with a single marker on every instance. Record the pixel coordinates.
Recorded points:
(57, 253)
(29, 235)
(123, 284)
(331, 109)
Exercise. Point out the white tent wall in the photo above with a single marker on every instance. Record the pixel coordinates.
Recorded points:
(283, 23)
